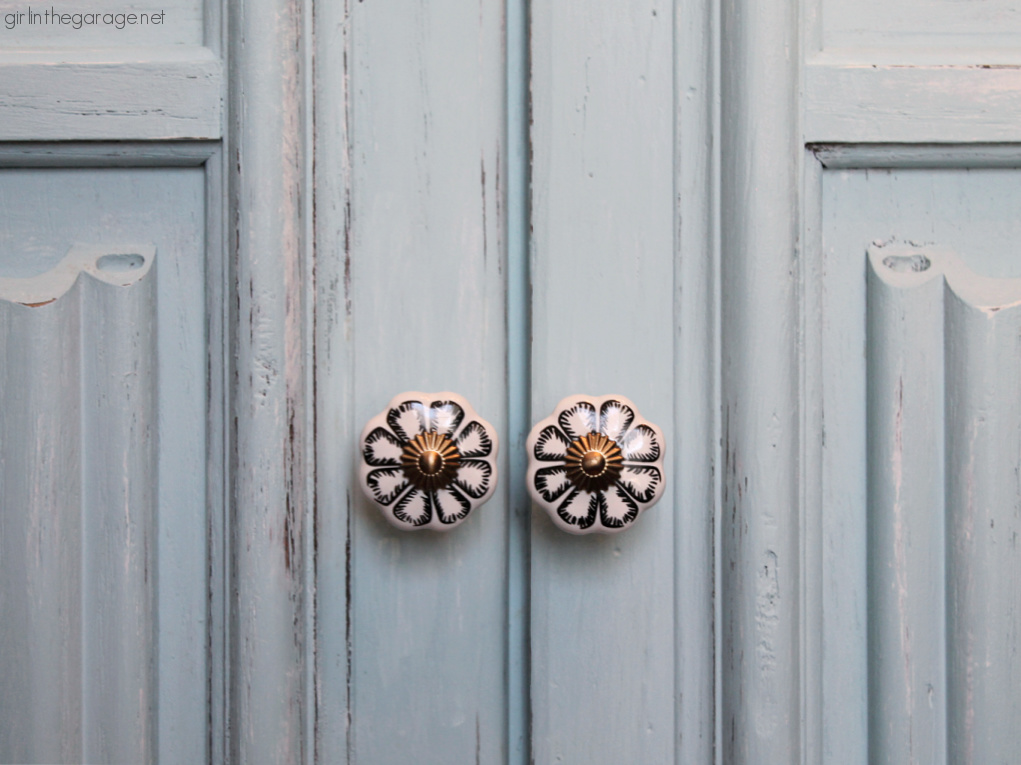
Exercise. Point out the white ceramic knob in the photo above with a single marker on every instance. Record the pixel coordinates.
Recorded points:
(594, 464)
(428, 460)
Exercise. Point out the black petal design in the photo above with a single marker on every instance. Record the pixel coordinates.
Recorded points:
(444, 417)
(450, 506)
(414, 508)
(640, 444)
(407, 420)
(551, 445)
(618, 509)
(473, 477)
(382, 448)
(386, 484)
(579, 420)
(615, 418)
(474, 441)
(580, 508)
(552, 482)
(640, 481)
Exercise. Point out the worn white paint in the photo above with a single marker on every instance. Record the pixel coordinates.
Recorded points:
(983, 564)
(870, 692)
(416, 296)
(81, 524)
(348, 640)
(905, 516)
(40, 604)
(272, 465)
(760, 578)
(603, 635)
(336, 446)
(861, 101)
(160, 93)
(45, 208)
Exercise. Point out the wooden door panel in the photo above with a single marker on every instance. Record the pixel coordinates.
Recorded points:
(104, 413)
(920, 379)
(910, 116)
(621, 625)
(413, 626)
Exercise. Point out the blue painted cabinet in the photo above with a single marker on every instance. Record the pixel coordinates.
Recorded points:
(787, 231)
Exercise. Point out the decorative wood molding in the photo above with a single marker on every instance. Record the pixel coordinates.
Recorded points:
(271, 403)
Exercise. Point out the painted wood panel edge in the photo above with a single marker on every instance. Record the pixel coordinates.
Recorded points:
(852, 156)
(109, 56)
(111, 101)
(128, 264)
(333, 355)
(811, 489)
(760, 382)
(271, 402)
(891, 103)
(219, 444)
(25, 154)
(696, 458)
(519, 333)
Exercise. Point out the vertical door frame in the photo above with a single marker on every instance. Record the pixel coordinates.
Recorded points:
(270, 706)
(759, 688)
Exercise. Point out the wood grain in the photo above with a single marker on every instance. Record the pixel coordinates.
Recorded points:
(602, 611)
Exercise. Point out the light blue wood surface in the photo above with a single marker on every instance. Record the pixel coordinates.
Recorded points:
(132, 535)
(889, 664)
(603, 640)
(760, 570)
(411, 634)
(516, 201)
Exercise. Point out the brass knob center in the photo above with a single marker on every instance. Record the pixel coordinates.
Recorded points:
(593, 463)
(430, 462)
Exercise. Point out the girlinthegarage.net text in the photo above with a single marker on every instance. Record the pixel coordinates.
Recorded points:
(52, 17)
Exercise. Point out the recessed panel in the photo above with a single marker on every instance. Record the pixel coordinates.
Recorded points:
(105, 409)
(920, 379)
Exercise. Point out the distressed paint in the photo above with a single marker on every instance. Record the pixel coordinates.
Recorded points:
(943, 675)
(107, 206)
(412, 649)
(40, 603)
(857, 101)
(270, 396)
(92, 503)
(423, 286)
(906, 510)
(603, 637)
(120, 444)
(169, 94)
(760, 582)
(969, 216)
(983, 414)
(696, 445)
(336, 429)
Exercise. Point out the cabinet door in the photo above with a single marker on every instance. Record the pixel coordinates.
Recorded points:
(111, 382)
(909, 278)
(784, 229)
(498, 214)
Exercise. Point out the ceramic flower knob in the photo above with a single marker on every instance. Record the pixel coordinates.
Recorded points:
(594, 465)
(428, 460)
